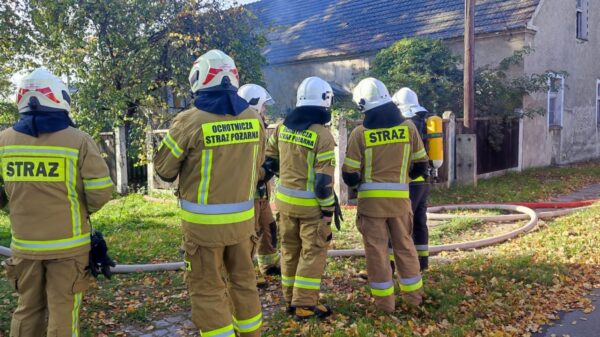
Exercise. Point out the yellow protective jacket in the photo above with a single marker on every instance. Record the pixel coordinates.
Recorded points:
(302, 156)
(383, 158)
(218, 160)
(53, 182)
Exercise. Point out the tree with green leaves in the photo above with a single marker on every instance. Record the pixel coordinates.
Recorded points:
(127, 59)
(426, 66)
(14, 46)
(500, 94)
(429, 67)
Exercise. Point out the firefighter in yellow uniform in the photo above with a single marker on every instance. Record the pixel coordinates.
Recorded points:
(408, 103)
(266, 227)
(216, 150)
(54, 178)
(383, 155)
(301, 150)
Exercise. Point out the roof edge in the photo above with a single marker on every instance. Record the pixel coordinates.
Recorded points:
(344, 57)
(538, 8)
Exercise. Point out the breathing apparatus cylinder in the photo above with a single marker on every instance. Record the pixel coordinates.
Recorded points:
(435, 142)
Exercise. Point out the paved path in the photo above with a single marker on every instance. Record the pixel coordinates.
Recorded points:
(587, 193)
(577, 323)
(175, 325)
(180, 324)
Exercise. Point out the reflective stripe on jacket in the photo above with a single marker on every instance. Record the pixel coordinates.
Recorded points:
(218, 161)
(302, 155)
(53, 183)
(384, 157)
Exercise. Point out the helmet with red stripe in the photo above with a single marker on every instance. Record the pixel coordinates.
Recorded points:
(42, 91)
(214, 70)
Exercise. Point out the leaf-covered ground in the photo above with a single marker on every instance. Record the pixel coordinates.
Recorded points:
(538, 184)
(508, 290)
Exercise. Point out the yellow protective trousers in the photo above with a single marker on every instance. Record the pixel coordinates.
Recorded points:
(266, 229)
(49, 290)
(304, 244)
(376, 233)
(222, 286)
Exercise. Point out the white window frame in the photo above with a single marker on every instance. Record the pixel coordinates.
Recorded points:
(560, 95)
(582, 28)
(598, 102)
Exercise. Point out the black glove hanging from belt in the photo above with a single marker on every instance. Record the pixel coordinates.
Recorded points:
(100, 262)
(3, 197)
(261, 189)
(337, 214)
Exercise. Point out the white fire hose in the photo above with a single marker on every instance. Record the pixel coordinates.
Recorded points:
(525, 213)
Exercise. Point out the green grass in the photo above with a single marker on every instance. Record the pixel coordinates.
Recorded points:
(515, 284)
(8, 301)
(136, 230)
(348, 237)
(490, 291)
(140, 231)
(4, 229)
(537, 184)
(452, 230)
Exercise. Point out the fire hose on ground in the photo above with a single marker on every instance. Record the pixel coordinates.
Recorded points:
(525, 213)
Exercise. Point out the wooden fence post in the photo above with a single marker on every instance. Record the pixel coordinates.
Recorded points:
(149, 157)
(121, 159)
(340, 188)
(520, 158)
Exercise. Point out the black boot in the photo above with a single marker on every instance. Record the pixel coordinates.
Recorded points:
(290, 309)
(273, 271)
(424, 262)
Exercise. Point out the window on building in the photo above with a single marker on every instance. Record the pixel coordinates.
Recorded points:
(582, 19)
(598, 102)
(556, 96)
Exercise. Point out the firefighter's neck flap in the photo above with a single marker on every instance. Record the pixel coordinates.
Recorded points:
(301, 118)
(220, 102)
(35, 123)
(383, 116)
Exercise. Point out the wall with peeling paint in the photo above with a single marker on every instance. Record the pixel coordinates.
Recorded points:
(557, 48)
(553, 38)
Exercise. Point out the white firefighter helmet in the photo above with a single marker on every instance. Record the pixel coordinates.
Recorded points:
(211, 69)
(41, 90)
(255, 95)
(408, 102)
(370, 93)
(314, 91)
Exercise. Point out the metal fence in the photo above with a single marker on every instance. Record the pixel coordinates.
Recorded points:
(137, 174)
(498, 144)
